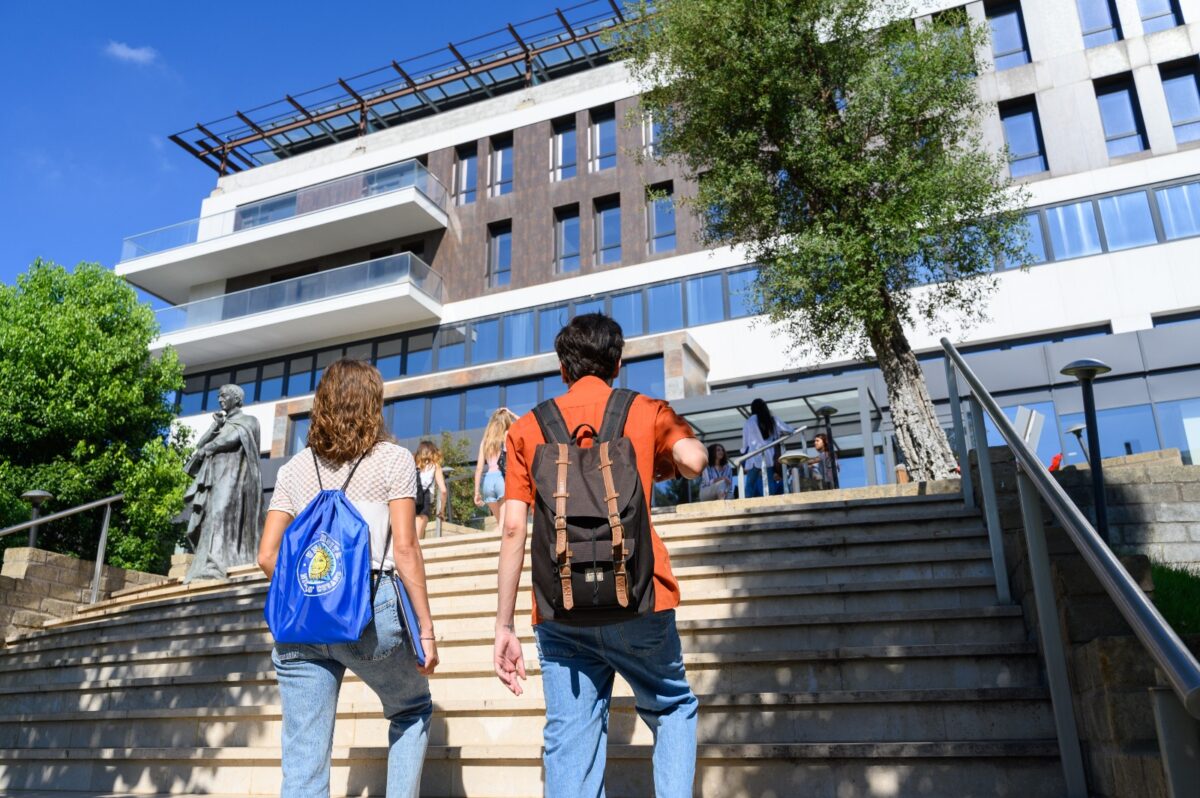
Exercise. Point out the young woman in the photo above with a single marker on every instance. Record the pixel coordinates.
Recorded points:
(760, 428)
(347, 433)
(826, 464)
(489, 484)
(716, 481)
(429, 477)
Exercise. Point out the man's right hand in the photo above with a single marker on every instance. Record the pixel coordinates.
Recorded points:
(509, 659)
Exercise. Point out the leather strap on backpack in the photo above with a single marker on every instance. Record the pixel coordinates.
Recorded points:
(561, 550)
(618, 529)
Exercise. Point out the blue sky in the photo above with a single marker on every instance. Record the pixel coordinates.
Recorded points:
(91, 90)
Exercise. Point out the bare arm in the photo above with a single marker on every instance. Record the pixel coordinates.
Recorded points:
(509, 659)
(479, 476)
(272, 537)
(410, 567)
(690, 457)
(440, 480)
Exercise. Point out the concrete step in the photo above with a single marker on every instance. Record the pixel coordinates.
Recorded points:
(820, 770)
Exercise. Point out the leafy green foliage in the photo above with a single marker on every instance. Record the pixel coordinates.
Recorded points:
(84, 413)
(456, 453)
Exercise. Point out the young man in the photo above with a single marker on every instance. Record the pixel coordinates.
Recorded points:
(579, 662)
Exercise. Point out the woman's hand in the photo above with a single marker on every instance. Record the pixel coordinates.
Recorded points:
(429, 644)
(478, 499)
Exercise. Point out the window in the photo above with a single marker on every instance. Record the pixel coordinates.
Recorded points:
(452, 346)
(1187, 317)
(191, 401)
(418, 359)
(324, 359)
(1179, 207)
(485, 341)
(465, 174)
(1123, 430)
(445, 413)
(665, 307)
(1023, 134)
(645, 376)
(566, 239)
(552, 386)
(1009, 47)
(550, 321)
(270, 386)
(1123, 129)
(705, 300)
(627, 311)
(1127, 221)
(499, 253)
(1073, 230)
(602, 140)
(215, 381)
(608, 230)
(651, 135)
(299, 375)
(1047, 446)
(520, 397)
(660, 210)
(481, 403)
(389, 358)
(518, 334)
(588, 306)
(1099, 21)
(298, 438)
(500, 171)
(1159, 15)
(1035, 244)
(1183, 99)
(247, 380)
(562, 149)
(406, 417)
(1181, 428)
(742, 300)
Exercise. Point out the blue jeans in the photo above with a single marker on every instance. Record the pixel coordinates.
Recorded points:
(578, 664)
(310, 677)
(754, 484)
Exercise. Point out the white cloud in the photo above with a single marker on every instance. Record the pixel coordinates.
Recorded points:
(142, 56)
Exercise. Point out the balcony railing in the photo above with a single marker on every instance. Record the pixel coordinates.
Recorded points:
(371, 274)
(310, 199)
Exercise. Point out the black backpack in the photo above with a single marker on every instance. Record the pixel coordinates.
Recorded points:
(592, 551)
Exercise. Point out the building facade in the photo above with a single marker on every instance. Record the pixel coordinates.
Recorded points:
(444, 225)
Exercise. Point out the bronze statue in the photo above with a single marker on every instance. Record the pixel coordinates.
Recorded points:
(226, 490)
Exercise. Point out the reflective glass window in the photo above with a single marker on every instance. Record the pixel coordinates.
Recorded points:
(388, 358)
(742, 301)
(562, 149)
(550, 321)
(627, 311)
(1159, 15)
(1179, 208)
(608, 231)
(566, 239)
(1123, 131)
(501, 176)
(705, 300)
(589, 306)
(191, 400)
(1127, 220)
(552, 386)
(406, 418)
(452, 340)
(1181, 427)
(1009, 48)
(299, 379)
(645, 376)
(324, 359)
(1073, 231)
(665, 307)
(215, 381)
(1023, 135)
(1099, 21)
(1183, 100)
(1035, 245)
(661, 220)
(359, 352)
(298, 434)
(520, 397)
(1047, 446)
(485, 341)
(466, 176)
(270, 386)
(419, 358)
(500, 253)
(603, 144)
(1123, 430)
(247, 380)
(518, 334)
(481, 403)
(444, 413)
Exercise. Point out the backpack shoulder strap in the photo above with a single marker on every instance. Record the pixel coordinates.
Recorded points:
(357, 463)
(550, 419)
(616, 413)
(317, 468)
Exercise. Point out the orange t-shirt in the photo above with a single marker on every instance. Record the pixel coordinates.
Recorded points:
(654, 429)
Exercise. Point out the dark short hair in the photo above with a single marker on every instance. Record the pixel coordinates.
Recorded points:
(590, 346)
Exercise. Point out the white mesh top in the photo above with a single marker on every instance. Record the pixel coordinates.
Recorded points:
(386, 473)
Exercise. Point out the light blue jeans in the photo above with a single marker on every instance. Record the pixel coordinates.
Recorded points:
(310, 677)
(578, 665)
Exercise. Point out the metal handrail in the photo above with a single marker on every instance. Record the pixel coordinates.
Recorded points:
(1169, 652)
(738, 462)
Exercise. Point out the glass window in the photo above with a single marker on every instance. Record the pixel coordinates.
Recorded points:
(1181, 428)
(298, 437)
(645, 376)
(270, 386)
(1073, 231)
(215, 381)
(500, 253)
(562, 149)
(520, 397)
(518, 334)
(324, 359)
(452, 345)
(388, 358)
(247, 380)
(299, 375)
(589, 306)
(550, 321)
(466, 175)
(1123, 131)
(1158, 15)
(1047, 446)
(665, 307)
(705, 300)
(444, 413)
(1099, 21)
(406, 418)
(1127, 220)
(359, 352)
(651, 135)
(608, 230)
(742, 300)
(1023, 135)
(1123, 430)
(1179, 207)
(481, 403)
(627, 311)
(485, 341)
(1035, 244)
(661, 221)
(1183, 100)
(603, 139)
(552, 386)
(191, 401)
(501, 174)
(419, 357)
(566, 239)
(1009, 48)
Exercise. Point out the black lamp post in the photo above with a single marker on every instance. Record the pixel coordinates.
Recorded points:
(35, 499)
(826, 412)
(1086, 371)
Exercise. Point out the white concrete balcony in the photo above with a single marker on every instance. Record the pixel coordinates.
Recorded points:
(394, 291)
(386, 203)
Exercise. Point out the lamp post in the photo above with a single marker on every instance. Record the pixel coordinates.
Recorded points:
(35, 499)
(1086, 371)
(826, 412)
(1077, 431)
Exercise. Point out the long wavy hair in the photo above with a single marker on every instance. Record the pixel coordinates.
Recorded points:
(347, 413)
(497, 429)
(427, 454)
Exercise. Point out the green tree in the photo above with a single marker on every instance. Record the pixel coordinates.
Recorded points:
(456, 454)
(84, 413)
(838, 143)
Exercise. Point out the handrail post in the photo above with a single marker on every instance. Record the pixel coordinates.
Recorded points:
(741, 480)
(1050, 634)
(1178, 742)
(100, 554)
(960, 438)
(991, 510)
(766, 481)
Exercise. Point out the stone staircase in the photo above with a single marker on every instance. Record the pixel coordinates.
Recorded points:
(839, 648)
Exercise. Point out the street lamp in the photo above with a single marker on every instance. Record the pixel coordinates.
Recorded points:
(826, 412)
(35, 498)
(1086, 371)
(1077, 431)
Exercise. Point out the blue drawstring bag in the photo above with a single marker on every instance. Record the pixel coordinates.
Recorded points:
(321, 589)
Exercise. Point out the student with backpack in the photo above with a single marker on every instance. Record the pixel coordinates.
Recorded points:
(348, 584)
(604, 593)
(490, 463)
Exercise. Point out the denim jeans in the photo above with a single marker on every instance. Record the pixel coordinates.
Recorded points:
(578, 664)
(310, 677)
(754, 484)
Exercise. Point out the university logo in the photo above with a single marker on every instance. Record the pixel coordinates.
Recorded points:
(321, 567)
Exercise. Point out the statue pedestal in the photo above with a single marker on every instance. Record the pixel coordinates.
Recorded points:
(180, 563)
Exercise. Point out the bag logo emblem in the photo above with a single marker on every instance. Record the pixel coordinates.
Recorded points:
(320, 569)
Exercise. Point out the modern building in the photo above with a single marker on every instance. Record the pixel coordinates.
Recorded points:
(445, 215)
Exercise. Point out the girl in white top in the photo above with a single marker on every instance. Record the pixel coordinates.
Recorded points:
(761, 427)
(431, 485)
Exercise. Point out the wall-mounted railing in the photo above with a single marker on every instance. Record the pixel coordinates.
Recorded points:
(310, 199)
(368, 275)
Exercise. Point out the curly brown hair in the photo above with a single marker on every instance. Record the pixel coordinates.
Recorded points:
(347, 413)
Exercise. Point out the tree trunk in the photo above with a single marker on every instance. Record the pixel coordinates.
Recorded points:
(926, 449)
